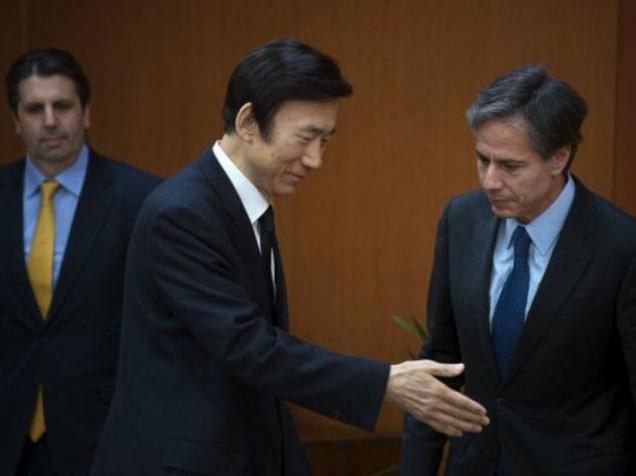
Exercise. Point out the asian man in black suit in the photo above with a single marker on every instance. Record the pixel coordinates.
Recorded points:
(207, 363)
(66, 218)
(534, 290)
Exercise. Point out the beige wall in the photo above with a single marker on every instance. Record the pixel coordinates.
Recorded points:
(357, 239)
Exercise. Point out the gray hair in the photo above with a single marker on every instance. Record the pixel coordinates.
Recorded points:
(551, 110)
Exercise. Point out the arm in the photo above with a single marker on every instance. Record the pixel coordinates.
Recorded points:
(197, 271)
(200, 276)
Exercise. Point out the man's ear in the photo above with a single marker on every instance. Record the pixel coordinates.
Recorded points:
(87, 117)
(245, 123)
(560, 159)
(16, 123)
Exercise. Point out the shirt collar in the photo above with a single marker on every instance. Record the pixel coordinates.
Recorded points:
(545, 229)
(71, 179)
(253, 201)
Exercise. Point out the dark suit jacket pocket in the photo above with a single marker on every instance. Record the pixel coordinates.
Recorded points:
(193, 458)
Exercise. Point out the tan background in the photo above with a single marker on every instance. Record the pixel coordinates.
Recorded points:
(357, 238)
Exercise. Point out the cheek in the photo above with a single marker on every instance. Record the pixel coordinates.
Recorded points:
(529, 188)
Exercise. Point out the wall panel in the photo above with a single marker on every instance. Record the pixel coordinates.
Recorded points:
(12, 39)
(625, 176)
(358, 237)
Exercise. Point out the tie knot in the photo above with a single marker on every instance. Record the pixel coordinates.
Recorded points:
(48, 188)
(266, 221)
(521, 241)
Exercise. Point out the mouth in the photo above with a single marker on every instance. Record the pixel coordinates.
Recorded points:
(295, 178)
(52, 141)
(498, 201)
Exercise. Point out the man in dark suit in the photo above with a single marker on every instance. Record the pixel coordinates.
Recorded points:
(534, 290)
(66, 219)
(206, 360)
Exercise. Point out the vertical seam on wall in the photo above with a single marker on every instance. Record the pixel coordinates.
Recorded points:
(617, 91)
(24, 25)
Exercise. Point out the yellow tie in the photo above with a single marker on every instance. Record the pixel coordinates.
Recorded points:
(40, 268)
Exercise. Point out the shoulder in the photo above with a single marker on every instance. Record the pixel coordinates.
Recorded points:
(188, 198)
(128, 184)
(12, 171)
(123, 172)
(610, 217)
(468, 206)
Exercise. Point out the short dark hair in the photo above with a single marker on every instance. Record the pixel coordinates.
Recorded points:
(279, 71)
(551, 109)
(46, 62)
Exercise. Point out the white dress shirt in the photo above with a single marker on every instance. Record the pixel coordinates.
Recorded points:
(253, 201)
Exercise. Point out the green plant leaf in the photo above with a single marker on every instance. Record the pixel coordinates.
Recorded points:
(411, 326)
(421, 330)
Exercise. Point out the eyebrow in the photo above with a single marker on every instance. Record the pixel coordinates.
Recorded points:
(317, 130)
(38, 102)
(499, 159)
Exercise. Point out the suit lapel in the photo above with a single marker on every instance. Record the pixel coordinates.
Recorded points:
(11, 221)
(569, 260)
(484, 236)
(239, 228)
(92, 210)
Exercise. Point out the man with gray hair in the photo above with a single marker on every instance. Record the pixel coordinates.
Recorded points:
(534, 290)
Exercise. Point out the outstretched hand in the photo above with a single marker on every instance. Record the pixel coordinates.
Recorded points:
(413, 386)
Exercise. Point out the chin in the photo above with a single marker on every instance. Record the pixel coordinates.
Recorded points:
(502, 212)
(285, 189)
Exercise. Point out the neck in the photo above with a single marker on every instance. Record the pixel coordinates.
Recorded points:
(52, 169)
(238, 153)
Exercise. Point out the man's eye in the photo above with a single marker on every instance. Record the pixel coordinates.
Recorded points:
(33, 109)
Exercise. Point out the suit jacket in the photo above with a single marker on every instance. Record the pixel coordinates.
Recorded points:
(205, 364)
(567, 405)
(73, 353)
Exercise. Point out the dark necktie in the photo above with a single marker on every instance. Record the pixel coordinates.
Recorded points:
(508, 318)
(266, 224)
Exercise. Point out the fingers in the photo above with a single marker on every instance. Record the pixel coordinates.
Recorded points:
(454, 398)
(447, 420)
(450, 412)
(414, 386)
(463, 404)
(443, 370)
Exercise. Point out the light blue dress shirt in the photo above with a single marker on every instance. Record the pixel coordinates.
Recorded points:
(544, 232)
(65, 201)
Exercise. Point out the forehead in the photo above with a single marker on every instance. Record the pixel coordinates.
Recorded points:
(46, 88)
(503, 139)
(316, 115)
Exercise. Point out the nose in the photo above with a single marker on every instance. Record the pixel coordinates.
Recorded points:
(312, 158)
(490, 179)
(49, 117)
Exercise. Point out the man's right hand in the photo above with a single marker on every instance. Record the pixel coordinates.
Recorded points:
(413, 386)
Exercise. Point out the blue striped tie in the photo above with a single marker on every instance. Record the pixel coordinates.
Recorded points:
(508, 319)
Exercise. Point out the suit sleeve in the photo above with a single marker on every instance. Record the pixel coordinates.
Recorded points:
(195, 267)
(626, 310)
(422, 447)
